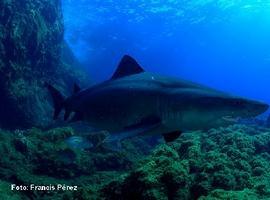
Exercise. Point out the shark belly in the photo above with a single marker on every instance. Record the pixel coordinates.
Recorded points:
(118, 114)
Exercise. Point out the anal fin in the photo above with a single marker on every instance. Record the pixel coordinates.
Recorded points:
(170, 137)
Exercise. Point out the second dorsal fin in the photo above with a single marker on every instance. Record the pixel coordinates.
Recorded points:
(128, 66)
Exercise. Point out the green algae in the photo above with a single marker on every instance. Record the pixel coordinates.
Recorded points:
(231, 195)
(198, 164)
(223, 163)
(6, 193)
(43, 158)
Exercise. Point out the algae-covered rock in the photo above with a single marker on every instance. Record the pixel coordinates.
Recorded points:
(6, 193)
(225, 163)
(32, 51)
(231, 195)
(39, 157)
(161, 176)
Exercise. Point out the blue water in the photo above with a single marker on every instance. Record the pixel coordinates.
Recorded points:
(221, 43)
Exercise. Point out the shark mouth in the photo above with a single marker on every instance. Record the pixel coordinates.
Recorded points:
(231, 119)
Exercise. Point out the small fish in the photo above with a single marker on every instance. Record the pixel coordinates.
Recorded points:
(78, 142)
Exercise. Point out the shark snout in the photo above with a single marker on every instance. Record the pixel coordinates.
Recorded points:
(246, 108)
(256, 108)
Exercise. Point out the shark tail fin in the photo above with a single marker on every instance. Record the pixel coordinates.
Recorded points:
(58, 100)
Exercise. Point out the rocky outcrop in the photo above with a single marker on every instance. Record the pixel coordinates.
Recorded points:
(32, 51)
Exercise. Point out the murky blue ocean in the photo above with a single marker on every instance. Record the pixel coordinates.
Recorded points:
(221, 43)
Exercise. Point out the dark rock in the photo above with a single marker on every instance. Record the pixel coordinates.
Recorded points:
(32, 51)
(20, 146)
(199, 189)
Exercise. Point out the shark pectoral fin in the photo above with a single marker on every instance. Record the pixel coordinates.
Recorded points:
(110, 142)
(170, 137)
(113, 145)
(113, 141)
(146, 123)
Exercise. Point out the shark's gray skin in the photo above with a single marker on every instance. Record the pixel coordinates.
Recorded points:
(144, 103)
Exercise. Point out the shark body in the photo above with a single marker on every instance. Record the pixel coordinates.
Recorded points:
(144, 103)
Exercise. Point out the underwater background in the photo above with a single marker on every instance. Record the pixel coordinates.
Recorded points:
(221, 43)
(224, 44)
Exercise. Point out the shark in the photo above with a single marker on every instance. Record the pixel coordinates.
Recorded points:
(134, 102)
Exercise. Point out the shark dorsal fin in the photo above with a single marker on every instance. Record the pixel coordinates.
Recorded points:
(127, 66)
